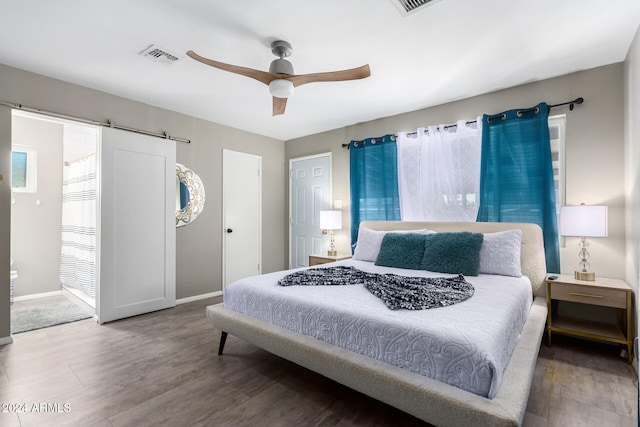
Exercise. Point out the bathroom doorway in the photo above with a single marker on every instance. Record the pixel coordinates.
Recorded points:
(118, 203)
(53, 221)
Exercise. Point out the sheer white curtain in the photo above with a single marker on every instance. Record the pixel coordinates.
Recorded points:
(439, 172)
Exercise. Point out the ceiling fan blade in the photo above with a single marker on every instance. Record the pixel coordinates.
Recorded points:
(279, 104)
(332, 76)
(261, 76)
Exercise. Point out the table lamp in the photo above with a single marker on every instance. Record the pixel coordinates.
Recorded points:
(584, 221)
(331, 220)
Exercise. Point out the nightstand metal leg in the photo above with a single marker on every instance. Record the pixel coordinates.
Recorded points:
(629, 329)
(549, 314)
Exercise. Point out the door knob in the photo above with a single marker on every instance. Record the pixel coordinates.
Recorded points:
(229, 230)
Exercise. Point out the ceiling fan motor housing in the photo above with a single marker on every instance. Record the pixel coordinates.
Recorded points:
(281, 66)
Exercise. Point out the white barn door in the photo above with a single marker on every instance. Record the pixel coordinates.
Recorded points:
(137, 231)
(242, 215)
(309, 193)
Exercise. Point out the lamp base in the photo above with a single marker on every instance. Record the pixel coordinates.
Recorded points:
(589, 276)
(332, 253)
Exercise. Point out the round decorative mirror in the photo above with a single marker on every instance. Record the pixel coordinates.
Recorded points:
(189, 195)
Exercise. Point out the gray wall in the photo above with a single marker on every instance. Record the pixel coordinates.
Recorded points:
(594, 150)
(36, 229)
(199, 259)
(632, 165)
(199, 251)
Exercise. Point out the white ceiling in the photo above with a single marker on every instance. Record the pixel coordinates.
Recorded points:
(449, 50)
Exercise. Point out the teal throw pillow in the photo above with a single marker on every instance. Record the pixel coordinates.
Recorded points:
(456, 253)
(401, 250)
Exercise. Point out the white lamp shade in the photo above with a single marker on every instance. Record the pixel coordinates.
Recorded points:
(281, 88)
(330, 220)
(584, 221)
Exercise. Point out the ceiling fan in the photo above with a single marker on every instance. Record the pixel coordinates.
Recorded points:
(281, 78)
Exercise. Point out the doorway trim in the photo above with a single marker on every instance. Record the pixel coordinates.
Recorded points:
(39, 117)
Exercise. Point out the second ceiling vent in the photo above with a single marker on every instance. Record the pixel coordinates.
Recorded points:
(157, 54)
(407, 7)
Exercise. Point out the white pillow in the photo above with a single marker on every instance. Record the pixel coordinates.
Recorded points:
(369, 242)
(368, 245)
(500, 253)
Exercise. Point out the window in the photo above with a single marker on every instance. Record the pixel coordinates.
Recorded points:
(557, 126)
(24, 169)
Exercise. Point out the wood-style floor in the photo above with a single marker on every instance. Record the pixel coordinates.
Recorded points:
(162, 369)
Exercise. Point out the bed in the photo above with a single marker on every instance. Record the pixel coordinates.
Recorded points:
(498, 395)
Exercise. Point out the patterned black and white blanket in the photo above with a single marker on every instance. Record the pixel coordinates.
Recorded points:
(411, 293)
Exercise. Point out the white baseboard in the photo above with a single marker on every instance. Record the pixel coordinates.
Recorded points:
(6, 340)
(178, 301)
(198, 297)
(36, 296)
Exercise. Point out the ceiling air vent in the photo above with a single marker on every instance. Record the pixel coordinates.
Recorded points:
(158, 54)
(407, 7)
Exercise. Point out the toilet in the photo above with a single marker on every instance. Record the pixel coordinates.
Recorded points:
(14, 276)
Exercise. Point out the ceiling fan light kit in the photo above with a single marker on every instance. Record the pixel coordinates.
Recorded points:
(281, 88)
(281, 78)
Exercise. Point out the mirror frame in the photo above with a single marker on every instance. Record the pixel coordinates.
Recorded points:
(195, 205)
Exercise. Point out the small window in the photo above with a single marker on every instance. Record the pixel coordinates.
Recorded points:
(24, 169)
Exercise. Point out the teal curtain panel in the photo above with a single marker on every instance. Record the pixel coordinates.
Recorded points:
(374, 182)
(516, 174)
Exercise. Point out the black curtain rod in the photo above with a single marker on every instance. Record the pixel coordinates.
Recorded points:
(469, 122)
(535, 109)
(454, 125)
(571, 104)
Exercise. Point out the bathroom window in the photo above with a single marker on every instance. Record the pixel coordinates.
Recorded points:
(557, 126)
(24, 169)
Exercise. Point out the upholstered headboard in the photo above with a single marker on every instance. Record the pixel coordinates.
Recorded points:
(532, 258)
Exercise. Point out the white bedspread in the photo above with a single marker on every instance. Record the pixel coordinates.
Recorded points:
(466, 345)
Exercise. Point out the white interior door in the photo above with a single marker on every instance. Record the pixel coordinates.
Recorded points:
(137, 231)
(242, 218)
(309, 193)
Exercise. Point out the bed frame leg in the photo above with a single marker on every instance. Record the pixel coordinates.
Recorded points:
(223, 340)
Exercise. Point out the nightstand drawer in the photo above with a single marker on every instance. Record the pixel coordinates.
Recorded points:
(317, 260)
(324, 259)
(589, 295)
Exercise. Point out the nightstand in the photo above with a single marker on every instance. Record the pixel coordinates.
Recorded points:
(323, 259)
(601, 292)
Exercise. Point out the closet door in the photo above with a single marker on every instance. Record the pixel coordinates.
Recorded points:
(241, 215)
(137, 231)
(309, 193)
